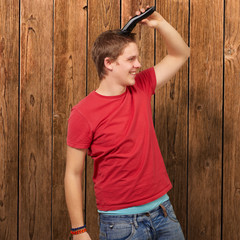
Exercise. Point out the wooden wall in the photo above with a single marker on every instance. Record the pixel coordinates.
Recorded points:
(46, 68)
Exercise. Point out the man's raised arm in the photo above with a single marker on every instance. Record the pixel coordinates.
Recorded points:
(178, 50)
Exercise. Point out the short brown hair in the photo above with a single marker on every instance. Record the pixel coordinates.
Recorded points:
(109, 44)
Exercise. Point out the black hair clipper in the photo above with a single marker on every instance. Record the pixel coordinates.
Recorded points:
(134, 20)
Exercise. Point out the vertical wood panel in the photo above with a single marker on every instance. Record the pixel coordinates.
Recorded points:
(35, 120)
(36, 218)
(70, 30)
(205, 120)
(171, 111)
(231, 187)
(103, 15)
(9, 70)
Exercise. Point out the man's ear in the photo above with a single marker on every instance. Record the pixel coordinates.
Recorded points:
(108, 63)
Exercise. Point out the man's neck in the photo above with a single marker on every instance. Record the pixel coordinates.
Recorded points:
(108, 88)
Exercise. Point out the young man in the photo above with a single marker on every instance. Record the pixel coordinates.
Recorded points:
(114, 123)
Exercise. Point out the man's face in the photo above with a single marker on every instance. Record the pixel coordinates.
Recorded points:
(126, 65)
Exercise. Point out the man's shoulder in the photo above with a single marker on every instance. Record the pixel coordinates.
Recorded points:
(146, 72)
(146, 80)
(84, 106)
(85, 101)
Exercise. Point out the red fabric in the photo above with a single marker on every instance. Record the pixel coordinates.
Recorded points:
(119, 133)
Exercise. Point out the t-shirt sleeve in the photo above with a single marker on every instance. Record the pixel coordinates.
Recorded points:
(79, 131)
(146, 80)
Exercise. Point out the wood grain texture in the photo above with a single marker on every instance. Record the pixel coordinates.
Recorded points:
(171, 111)
(102, 16)
(9, 71)
(231, 164)
(211, 200)
(70, 29)
(205, 120)
(35, 120)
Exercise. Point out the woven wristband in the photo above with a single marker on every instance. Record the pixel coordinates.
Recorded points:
(79, 230)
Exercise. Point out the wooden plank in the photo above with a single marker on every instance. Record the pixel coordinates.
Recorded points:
(35, 120)
(171, 111)
(231, 187)
(70, 31)
(102, 16)
(9, 65)
(205, 120)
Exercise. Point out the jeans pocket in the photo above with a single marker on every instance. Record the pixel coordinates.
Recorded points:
(116, 231)
(170, 211)
(102, 235)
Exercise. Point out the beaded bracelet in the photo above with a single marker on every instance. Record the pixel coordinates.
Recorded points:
(79, 230)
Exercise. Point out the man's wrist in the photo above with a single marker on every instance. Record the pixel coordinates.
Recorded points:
(160, 24)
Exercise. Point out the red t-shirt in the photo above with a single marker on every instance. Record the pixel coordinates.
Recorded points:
(119, 134)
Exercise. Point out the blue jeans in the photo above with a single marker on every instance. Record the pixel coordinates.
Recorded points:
(159, 224)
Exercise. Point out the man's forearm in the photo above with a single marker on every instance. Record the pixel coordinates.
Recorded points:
(74, 198)
(173, 40)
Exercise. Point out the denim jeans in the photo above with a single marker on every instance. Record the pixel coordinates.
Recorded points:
(159, 224)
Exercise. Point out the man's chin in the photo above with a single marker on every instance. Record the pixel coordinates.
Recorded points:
(132, 83)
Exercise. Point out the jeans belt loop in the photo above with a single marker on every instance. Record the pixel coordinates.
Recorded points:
(135, 220)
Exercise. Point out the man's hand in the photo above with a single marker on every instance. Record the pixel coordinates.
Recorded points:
(82, 236)
(151, 21)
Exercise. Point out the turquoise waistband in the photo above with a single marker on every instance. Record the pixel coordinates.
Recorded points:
(138, 209)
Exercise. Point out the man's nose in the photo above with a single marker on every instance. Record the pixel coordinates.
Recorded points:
(137, 64)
